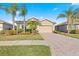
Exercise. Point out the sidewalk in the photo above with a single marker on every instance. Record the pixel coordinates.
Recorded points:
(23, 42)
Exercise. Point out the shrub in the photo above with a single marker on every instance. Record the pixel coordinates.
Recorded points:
(2, 32)
(77, 31)
(8, 32)
(19, 31)
(73, 31)
(60, 32)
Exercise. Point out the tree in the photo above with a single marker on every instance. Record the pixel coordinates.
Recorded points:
(32, 25)
(23, 12)
(12, 10)
(70, 16)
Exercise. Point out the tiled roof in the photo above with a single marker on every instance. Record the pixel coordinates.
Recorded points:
(20, 22)
(1, 22)
(33, 19)
(65, 23)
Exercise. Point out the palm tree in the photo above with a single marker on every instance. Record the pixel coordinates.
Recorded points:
(70, 16)
(32, 25)
(12, 10)
(23, 12)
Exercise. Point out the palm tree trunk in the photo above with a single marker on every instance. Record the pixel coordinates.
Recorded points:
(24, 25)
(68, 28)
(13, 22)
(17, 28)
(68, 22)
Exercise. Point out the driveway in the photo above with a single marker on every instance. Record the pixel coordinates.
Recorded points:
(61, 45)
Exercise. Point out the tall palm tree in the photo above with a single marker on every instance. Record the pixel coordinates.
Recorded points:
(23, 12)
(70, 16)
(12, 10)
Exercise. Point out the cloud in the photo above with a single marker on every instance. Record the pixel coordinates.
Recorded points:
(75, 4)
(55, 9)
(41, 17)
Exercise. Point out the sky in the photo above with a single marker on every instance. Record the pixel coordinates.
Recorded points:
(39, 10)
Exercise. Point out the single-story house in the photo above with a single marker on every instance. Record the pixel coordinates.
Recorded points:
(64, 26)
(46, 25)
(5, 26)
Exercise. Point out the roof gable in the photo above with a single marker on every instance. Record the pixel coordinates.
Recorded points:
(3, 22)
(48, 21)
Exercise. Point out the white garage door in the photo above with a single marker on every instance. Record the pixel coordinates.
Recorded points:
(45, 29)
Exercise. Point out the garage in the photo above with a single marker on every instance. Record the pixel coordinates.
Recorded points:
(45, 29)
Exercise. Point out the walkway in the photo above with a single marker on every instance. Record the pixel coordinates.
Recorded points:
(61, 45)
(23, 42)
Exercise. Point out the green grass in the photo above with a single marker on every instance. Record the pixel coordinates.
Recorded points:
(21, 37)
(74, 35)
(30, 50)
(70, 35)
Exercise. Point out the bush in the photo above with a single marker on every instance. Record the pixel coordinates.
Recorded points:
(2, 32)
(8, 32)
(59, 32)
(77, 31)
(19, 31)
(73, 31)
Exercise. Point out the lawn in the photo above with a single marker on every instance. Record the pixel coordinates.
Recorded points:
(30, 50)
(74, 35)
(21, 37)
(70, 35)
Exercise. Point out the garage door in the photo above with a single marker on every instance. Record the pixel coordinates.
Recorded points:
(45, 29)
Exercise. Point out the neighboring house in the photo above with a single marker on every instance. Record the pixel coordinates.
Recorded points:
(20, 24)
(5, 26)
(46, 25)
(64, 26)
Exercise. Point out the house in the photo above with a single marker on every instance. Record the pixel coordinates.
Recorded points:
(5, 26)
(64, 26)
(46, 25)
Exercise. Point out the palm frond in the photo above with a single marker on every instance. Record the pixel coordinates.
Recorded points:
(9, 10)
(15, 7)
(61, 16)
(23, 10)
(76, 11)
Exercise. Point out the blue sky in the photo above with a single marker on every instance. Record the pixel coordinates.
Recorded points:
(39, 10)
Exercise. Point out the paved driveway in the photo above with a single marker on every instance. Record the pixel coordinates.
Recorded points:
(61, 45)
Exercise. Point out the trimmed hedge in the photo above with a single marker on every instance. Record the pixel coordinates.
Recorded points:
(73, 31)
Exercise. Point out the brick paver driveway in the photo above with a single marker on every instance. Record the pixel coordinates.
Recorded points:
(61, 45)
